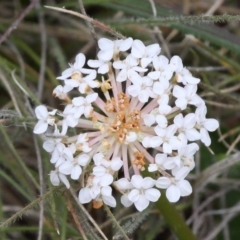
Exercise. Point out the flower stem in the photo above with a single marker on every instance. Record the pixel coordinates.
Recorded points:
(174, 220)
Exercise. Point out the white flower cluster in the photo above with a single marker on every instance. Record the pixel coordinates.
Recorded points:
(133, 111)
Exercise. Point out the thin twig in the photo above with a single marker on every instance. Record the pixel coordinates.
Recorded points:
(158, 31)
(12, 95)
(229, 214)
(18, 20)
(43, 52)
(40, 171)
(94, 22)
(88, 215)
(115, 222)
(75, 217)
(90, 26)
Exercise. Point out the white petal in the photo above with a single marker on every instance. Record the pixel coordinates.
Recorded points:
(182, 173)
(167, 148)
(71, 121)
(134, 195)
(78, 101)
(131, 137)
(179, 92)
(103, 69)
(152, 167)
(106, 191)
(181, 103)
(116, 164)
(83, 159)
(122, 75)
(149, 119)
(163, 182)
(66, 168)
(211, 124)
(94, 63)
(125, 201)
(54, 178)
(137, 181)
(155, 141)
(106, 180)
(184, 187)
(76, 172)
(123, 184)
(126, 44)
(80, 61)
(49, 145)
(40, 127)
(105, 55)
(153, 50)
(99, 171)
(160, 158)
(148, 182)
(205, 138)
(105, 44)
(142, 203)
(91, 97)
(152, 194)
(64, 180)
(162, 121)
(109, 200)
(134, 90)
(143, 96)
(173, 193)
(41, 112)
(192, 134)
(138, 49)
(145, 62)
(84, 195)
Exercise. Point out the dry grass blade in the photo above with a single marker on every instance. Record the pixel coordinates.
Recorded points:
(214, 170)
(94, 22)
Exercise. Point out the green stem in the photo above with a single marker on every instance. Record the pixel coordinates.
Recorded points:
(174, 220)
(115, 222)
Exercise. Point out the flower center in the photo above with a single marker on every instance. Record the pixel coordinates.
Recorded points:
(122, 120)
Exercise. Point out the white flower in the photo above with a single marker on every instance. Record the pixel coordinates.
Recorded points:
(105, 169)
(163, 71)
(182, 74)
(185, 157)
(176, 187)
(56, 178)
(59, 92)
(186, 125)
(186, 95)
(141, 88)
(90, 192)
(146, 54)
(95, 192)
(60, 154)
(124, 186)
(205, 125)
(110, 48)
(106, 196)
(143, 192)
(75, 72)
(79, 106)
(82, 143)
(73, 167)
(103, 66)
(163, 162)
(128, 68)
(44, 119)
(161, 87)
(166, 138)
